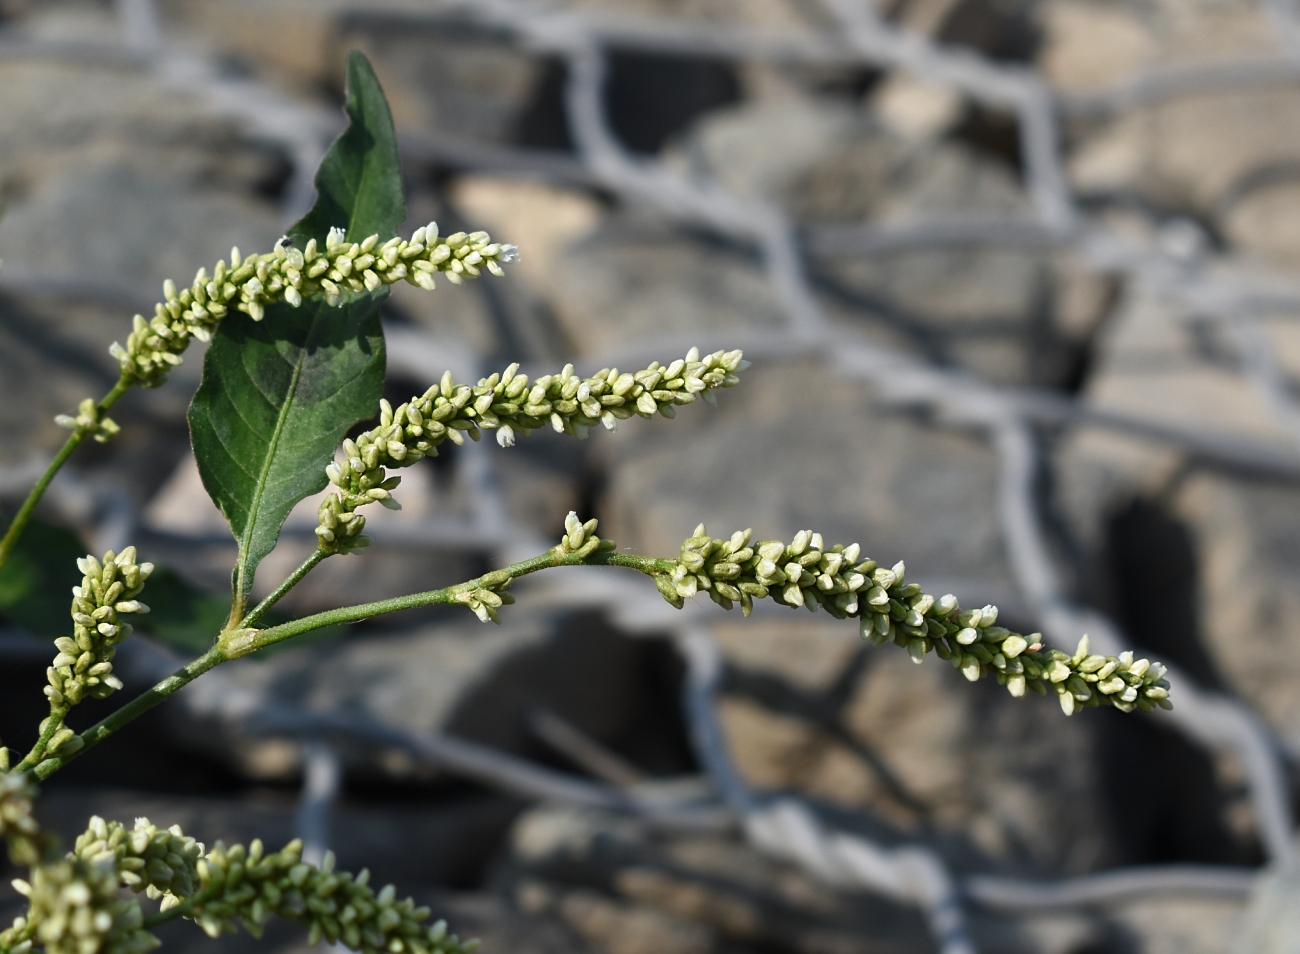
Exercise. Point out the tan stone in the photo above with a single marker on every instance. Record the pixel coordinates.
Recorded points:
(1228, 28)
(795, 447)
(716, 858)
(258, 30)
(726, 910)
(809, 653)
(1193, 149)
(1266, 221)
(757, 149)
(1153, 365)
(924, 16)
(541, 219)
(638, 281)
(619, 928)
(915, 108)
(1249, 602)
(1154, 368)
(1089, 45)
(1171, 925)
(770, 14)
(777, 751)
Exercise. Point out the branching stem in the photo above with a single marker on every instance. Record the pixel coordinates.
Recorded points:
(292, 580)
(240, 644)
(235, 643)
(24, 514)
(134, 709)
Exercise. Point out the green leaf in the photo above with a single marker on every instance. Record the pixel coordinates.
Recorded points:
(359, 182)
(277, 397)
(36, 581)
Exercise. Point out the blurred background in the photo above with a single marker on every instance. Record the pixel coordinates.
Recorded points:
(1020, 281)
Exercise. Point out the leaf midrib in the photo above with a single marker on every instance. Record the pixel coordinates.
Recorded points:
(250, 526)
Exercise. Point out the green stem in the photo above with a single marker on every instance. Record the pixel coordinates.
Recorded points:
(235, 643)
(292, 580)
(171, 914)
(52, 725)
(242, 643)
(134, 709)
(180, 910)
(24, 514)
(26, 934)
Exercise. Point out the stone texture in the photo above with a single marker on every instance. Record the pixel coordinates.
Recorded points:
(1223, 156)
(103, 185)
(636, 279)
(1260, 219)
(111, 171)
(1004, 781)
(1271, 925)
(1169, 925)
(619, 886)
(1245, 533)
(913, 744)
(1193, 152)
(456, 675)
(795, 447)
(624, 887)
(1005, 313)
(1092, 45)
(1157, 366)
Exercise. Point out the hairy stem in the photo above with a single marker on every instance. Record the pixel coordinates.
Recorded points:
(240, 644)
(235, 643)
(292, 580)
(24, 514)
(134, 709)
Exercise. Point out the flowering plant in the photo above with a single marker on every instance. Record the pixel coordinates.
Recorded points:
(295, 359)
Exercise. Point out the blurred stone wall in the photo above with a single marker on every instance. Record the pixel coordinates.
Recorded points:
(129, 156)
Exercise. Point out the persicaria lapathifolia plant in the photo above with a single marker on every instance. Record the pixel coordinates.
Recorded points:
(805, 572)
(78, 905)
(296, 358)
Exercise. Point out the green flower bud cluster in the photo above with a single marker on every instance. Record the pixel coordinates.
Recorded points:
(290, 274)
(17, 826)
(160, 862)
(580, 538)
(84, 664)
(806, 573)
(510, 404)
(486, 595)
(249, 887)
(89, 421)
(74, 908)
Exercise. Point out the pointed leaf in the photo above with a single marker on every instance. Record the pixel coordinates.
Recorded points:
(359, 182)
(277, 397)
